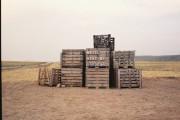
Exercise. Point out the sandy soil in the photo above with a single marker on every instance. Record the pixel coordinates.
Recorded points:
(159, 99)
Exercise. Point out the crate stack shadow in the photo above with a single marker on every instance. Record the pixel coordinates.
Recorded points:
(72, 67)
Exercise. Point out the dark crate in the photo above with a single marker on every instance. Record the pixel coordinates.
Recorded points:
(104, 41)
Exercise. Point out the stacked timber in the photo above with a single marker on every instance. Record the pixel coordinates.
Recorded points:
(72, 67)
(124, 59)
(97, 67)
(104, 41)
(128, 78)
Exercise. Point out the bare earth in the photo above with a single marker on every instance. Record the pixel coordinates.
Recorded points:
(159, 99)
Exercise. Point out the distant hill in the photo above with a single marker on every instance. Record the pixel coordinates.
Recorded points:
(158, 58)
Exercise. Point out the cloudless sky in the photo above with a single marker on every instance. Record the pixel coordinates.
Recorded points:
(40, 29)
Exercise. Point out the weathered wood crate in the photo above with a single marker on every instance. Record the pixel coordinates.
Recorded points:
(72, 77)
(104, 41)
(49, 77)
(124, 59)
(43, 76)
(97, 77)
(72, 58)
(55, 77)
(97, 57)
(128, 78)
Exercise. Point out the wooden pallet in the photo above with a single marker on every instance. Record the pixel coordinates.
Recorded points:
(98, 87)
(97, 77)
(128, 78)
(72, 77)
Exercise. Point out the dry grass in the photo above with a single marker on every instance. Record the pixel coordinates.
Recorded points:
(10, 65)
(159, 68)
(25, 73)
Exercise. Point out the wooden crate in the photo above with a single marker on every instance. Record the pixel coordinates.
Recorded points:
(43, 76)
(124, 59)
(104, 41)
(72, 58)
(97, 57)
(97, 77)
(55, 77)
(49, 77)
(72, 77)
(128, 78)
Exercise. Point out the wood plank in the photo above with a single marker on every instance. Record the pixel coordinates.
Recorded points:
(72, 56)
(96, 76)
(97, 69)
(97, 79)
(71, 69)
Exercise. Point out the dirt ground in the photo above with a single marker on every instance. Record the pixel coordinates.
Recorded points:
(159, 99)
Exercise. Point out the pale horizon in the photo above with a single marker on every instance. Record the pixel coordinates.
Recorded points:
(37, 30)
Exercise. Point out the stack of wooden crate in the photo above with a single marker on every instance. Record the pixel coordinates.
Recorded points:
(124, 59)
(97, 67)
(72, 67)
(126, 75)
(107, 41)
